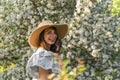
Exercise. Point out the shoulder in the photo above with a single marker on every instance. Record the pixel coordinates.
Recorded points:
(43, 52)
(40, 50)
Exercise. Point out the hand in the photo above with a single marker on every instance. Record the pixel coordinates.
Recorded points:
(58, 48)
(58, 45)
(54, 54)
(60, 62)
(61, 66)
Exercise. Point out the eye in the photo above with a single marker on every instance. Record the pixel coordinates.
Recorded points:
(49, 32)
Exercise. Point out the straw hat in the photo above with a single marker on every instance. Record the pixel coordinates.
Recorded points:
(33, 39)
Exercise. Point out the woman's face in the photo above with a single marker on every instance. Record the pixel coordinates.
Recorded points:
(50, 36)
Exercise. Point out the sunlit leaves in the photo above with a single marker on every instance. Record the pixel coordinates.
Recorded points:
(3, 68)
(116, 7)
(73, 73)
(94, 34)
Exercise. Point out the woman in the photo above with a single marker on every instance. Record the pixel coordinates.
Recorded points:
(46, 39)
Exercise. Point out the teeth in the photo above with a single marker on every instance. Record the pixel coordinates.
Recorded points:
(52, 40)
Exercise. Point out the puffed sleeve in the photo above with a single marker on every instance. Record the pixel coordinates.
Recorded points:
(41, 58)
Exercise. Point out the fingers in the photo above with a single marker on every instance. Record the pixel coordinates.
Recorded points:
(58, 48)
(61, 66)
(55, 54)
(58, 45)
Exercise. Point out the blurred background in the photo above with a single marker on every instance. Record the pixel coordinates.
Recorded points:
(91, 49)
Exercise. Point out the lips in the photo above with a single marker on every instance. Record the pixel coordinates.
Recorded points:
(52, 40)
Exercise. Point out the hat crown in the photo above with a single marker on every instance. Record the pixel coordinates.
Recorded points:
(47, 22)
(34, 36)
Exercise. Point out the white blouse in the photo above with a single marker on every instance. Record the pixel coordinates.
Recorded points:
(41, 58)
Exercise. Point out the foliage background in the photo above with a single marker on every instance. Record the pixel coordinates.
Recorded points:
(94, 35)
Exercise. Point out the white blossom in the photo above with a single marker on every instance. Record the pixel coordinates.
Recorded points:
(109, 34)
(95, 53)
(48, 5)
(1, 8)
(32, 21)
(90, 3)
(1, 21)
(69, 54)
(83, 15)
(69, 45)
(86, 10)
(18, 16)
(78, 6)
(93, 47)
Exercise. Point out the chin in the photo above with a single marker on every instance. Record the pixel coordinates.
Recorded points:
(51, 43)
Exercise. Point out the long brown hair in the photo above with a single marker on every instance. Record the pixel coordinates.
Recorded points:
(42, 42)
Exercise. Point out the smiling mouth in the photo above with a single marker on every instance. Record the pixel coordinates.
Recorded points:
(52, 40)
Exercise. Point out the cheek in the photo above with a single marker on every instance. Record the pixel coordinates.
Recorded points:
(45, 37)
(55, 36)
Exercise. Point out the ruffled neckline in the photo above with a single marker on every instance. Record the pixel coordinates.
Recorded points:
(40, 48)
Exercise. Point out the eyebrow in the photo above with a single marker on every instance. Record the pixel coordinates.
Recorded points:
(47, 30)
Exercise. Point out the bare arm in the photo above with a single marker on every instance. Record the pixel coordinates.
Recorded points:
(43, 74)
(60, 61)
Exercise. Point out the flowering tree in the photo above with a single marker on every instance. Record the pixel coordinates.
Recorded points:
(18, 19)
(93, 35)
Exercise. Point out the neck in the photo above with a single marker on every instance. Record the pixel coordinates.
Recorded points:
(48, 47)
(45, 46)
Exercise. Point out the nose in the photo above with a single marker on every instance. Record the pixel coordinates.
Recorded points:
(54, 35)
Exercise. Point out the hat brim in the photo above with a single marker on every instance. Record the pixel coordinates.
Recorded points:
(33, 39)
